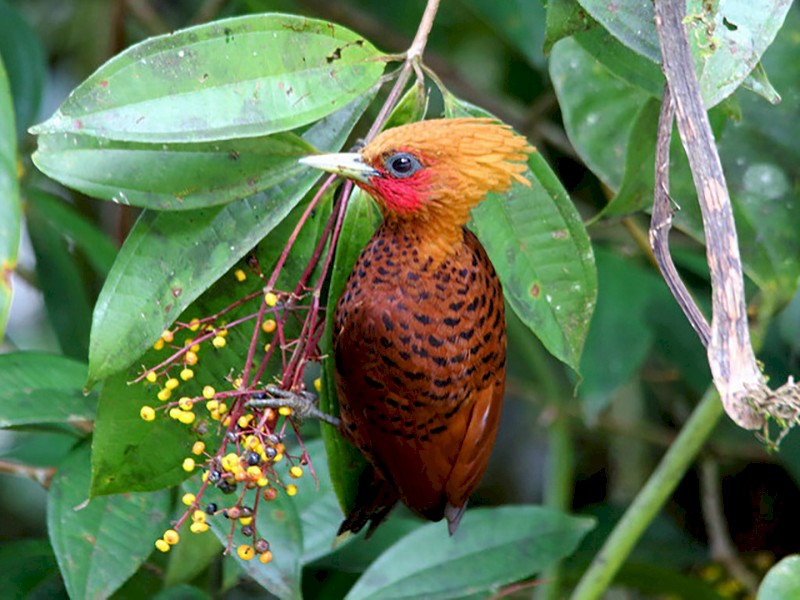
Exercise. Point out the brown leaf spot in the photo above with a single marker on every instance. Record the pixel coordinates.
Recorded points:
(559, 234)
(104, 83)
(176, 291)
(335, 55)
(535, 290)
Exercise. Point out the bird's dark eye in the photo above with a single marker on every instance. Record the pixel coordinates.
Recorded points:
(402, 164)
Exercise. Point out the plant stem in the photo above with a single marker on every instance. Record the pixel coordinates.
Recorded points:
(651, 498)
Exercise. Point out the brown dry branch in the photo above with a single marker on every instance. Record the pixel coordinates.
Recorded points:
(744, 392)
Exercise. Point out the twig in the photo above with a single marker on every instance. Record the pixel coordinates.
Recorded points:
(719, 539)
(661, 223)
(730, 353)
(41, 475)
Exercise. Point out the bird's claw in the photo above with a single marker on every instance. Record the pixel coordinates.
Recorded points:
(302, 403)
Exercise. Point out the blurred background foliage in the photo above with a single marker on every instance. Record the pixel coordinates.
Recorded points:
(591, 113)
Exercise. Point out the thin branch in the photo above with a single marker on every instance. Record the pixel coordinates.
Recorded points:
(41, 475)
(661, 223)
(719, 539)
(730, 352)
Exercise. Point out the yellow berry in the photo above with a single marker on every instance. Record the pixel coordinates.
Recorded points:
(271, 299)
(266, 557)
(218, 342)
(164, 394)
(296, 472)
(267, 347)
(254, 472)
(278, 457)
(194, 324)
(198, 527)
(188, 499)
(291, 490)
(186, 417)
(244, 420)
(284, 411)
(246, 520)
(245, 552)
(208, 392)
(227, 420)
(198, 447)
(171, 537)
(185, 403)
(188, 464)
(162, 545)
(318, 384)
(223, 408)
(199, 516)
(171, 383)
(151, 377)
(195, 348)
(214, 414)
(229, 461)
(187, 374)
(240, 275)
(269, 325)
(147, 413)
(167, 336)
(175, 413)
(223, 333)
(262, 482)
(212, 405)
(191, 357)
(159, 344)
(237, 383)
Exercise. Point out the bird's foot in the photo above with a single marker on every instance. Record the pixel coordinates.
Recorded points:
(302, 403)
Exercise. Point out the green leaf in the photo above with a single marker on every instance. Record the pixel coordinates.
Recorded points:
(240, 77)
(62, 283)
(169, 259)
(279, 523)
(81, 233)
(10, 211)
(345, 462)
(182, 592)
(27, 566)
(782, 582)
(727, 39)
(128, 453)
(170, 176)
(190, 558)
(519, 22)
(410, 108)
(493, 547)
(759, 83)
(565, 18)
(542, 254)
(30, 381)
(101, 543)
(22, 53)
(655, 580)
(596, 108)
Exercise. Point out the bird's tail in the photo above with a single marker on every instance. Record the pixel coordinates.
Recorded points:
(375, 500)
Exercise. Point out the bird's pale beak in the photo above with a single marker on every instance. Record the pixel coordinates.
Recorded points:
(346, 164)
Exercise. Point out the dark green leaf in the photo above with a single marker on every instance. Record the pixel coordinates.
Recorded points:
(654, 580)
(517, 21)
(30, 381)
(344, 460)
(101, 543)
(540, 249)
(27, 564)
(80, 233)
(493, 547)
(241, 77)
(170, 176)
(597, 109)
(10, 212)
(169, 259)
(759, 83)
(62, 283)
(631, 22)
(565, 18)
(782, 581)
(410, 108)
(23, 56)
(182, 592)
(191, 557)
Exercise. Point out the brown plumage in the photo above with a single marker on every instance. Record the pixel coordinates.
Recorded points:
(419, 331)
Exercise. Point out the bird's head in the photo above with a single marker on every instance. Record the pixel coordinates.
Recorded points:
(434, 171)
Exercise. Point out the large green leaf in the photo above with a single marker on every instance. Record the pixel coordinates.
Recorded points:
(10, 213)
(99, 544)
(493, 547)
(240, 77)
(170, 176)
(727, 40)
(344, 460)
(22, 53)
(32, 380)
(565, 18)
(28, 567)
(597, 108)
(519, 22)
(169, 259)
(782, 581)
(542, 254)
